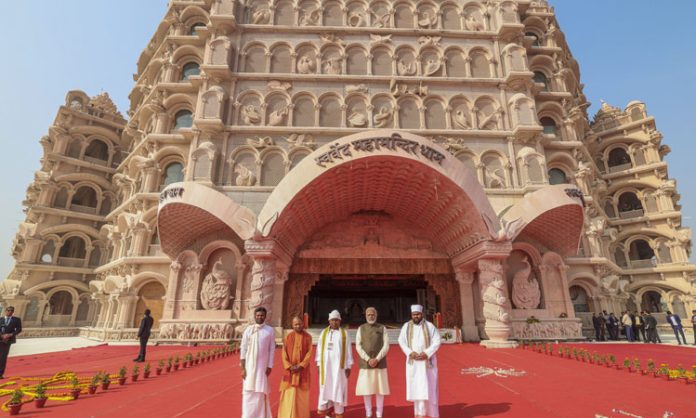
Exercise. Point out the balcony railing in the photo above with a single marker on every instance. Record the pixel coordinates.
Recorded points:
(636, 213)
(643, 264)
(83, 209)
(620, 167)
(71, 262)
(96, 160)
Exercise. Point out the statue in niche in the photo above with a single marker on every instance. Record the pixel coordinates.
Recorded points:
(495, 178)
(429, 40)
(525, 288)
(380, 20)
(215, 291)
(357, 18)
(357, 119)
(489, 122)
(384, 117)
(277, 117)
(260, 15)
(250, 115)
(261, 142)
(404, 68)
(472, 23)
(310, 18)
(245, 177)
(332, 66)
(306, 65)
(427, 19)
(431, 66)
(460, 119)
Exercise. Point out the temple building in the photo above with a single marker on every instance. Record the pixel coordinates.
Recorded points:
(314, 155)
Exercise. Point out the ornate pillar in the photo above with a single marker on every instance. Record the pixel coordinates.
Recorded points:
(125, 308)
(465, 278)
(496, 304)
(170, 297)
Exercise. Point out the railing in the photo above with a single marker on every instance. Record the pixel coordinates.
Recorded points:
(96, 160)
(620, 167)
(631, 214)
(641, 264)
(83, 209)
(71, 262)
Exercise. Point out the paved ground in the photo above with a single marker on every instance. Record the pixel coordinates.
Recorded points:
(30, 346)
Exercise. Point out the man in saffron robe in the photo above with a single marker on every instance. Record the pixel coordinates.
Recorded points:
(372, 344)
(334, 358)
(294, 388)
(257, 349)
(420, 340)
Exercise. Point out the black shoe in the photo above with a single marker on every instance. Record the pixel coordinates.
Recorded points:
(2, 377)
(137, 359)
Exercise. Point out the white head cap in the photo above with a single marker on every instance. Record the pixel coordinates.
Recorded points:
(334, 315)
(416, 308)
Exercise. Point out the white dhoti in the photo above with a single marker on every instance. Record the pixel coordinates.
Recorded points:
(256, 405)
(421, 375)
(372, 382)
(334, 357)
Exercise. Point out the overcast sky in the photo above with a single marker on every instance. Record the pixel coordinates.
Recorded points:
(627, 49)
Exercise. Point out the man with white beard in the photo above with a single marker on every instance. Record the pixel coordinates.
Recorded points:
(420, 340)
(372, 344)
(334, 358)
(256, 354)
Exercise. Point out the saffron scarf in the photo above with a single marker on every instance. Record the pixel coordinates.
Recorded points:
(323, 345)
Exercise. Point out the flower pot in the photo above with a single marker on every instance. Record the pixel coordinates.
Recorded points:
(75, 393)
(158, 372)
(14, 408)
(92, 390)
(134, 378)
(40, 402)
(176, 367)
(121, 381)
(105, 385)
(617, 367)
(146, 375)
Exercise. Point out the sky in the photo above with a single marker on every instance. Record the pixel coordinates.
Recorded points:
(627, 50)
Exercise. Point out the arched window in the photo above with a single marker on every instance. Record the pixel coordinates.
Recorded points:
(32, 310)
(97, 150)
(60, 303)
(540, 78)
(272, 170)
(557, 176)
(194, 28)
(74, 149)
(84, 197)
(95, 257)
(82, 309)
(641, 254)
(580, 300)
(61, 198)
(183, 119)
(74, 247)
(629, 205)
(105, 206)
(173, 173)
(549, 126)
(190, 69)
(618, 160)
(651, 302)
(480, 67)
(533, 35)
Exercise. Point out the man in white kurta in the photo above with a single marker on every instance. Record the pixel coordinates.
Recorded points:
(334, 360)
(258, 347)
(372, 345)
(420, 340)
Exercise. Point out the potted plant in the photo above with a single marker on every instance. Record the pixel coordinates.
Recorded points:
(651, 367)
(612, 361)
(681, 375)
(169, 364)
(627, 364)
(176, 362)
(75, 390)
(135, 373)
(92, 389)
(636, 366)
(146, 371)
(122, 375)
(664, 371)
(567, 353)
(15, 403)
(41, 398)
(188, 360)
(160, 366)
(198, 358)
(105, 381)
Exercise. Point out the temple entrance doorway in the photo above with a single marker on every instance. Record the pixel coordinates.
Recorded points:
(392, 295)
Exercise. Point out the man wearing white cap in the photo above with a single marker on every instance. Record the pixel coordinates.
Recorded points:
(334, 358)
(420, 340)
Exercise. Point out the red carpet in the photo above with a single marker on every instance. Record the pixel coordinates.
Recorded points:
(552, 387)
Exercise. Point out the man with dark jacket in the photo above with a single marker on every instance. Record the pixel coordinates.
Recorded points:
(651, 328)
(144, 334)
(675, 321)
(597, 324)
(10, 326)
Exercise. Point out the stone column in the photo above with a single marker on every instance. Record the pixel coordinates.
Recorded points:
(465, 278)
(125, 310)
(496, 304)
(168, 311)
